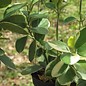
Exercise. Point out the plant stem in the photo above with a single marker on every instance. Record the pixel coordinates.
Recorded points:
(80, 14)
(57, 26)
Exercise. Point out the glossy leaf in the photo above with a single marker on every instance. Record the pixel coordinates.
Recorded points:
(31, 69)
(67, 77)
(58, 45)
(69, 19)
(82, 50)
(81, 39)
(12, 27)
(4, 3)
(20, 44)
(32, 50)
(81, 68)
(59, 69)
(13, 8)
(7, 61)
(16, 19)
(68, 58)
(50, 66)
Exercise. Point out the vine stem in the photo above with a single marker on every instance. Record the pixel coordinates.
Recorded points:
(80, 14)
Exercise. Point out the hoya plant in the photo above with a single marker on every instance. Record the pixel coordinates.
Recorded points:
(59, 61)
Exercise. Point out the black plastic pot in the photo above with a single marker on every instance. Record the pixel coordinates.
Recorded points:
(38, 82)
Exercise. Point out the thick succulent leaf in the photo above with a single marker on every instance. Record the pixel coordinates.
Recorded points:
(81, 39)
(69, 19)
(50, 66)
(16, 19)
(31, 69)
(4, 3)
(67, 77)
(70, 59)
(20, 44)
(32, 50)
(60, 46)
(82, 50)
(13, 8)
(59, 69)
(81, 68)
(7, 61)
(12, 27)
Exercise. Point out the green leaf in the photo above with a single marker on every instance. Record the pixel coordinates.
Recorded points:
(1, 52)
(16, 19)
(31, 69)
(12, 27)
(7, 61)
(68, 58)
(32, 50)
(39, 15)
(59, 69)
(69, 20)
(20, 44)
(13, 8)
(50, 5)
(81, 39)
(81, 82)
(39, 37)
(58, 45)
(82, 50)
(81, 68)
(50, 66)
(42, 28)
(4, 3)
(67, 77)
(39, 30)
(71, 41)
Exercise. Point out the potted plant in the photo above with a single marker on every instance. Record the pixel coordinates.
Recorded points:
(55, 63)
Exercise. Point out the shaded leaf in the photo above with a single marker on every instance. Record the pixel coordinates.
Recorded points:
(20, 44)
(16, 19)
(13, 8)
(32, 50)
(1, 52)
(31, 69)
(7, 61)
(69, 19)
(12, 27)
(50, 5)
(4, 3)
